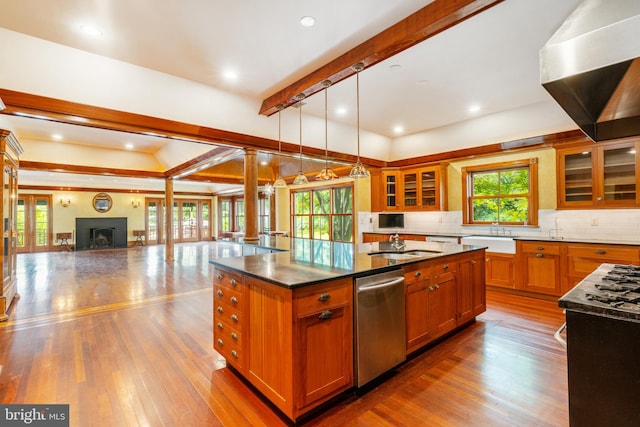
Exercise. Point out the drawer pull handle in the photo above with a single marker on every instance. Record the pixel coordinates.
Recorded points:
(220, 343)
(234, 354)
(473, 262)
(219, 293)
(324, 297)
(219, 276)
(234, 282)
(220, 310)
(601, 252)
(325, 315)
(234, 318)
(234, 300)
(437, 287)
(445, 266)
(220, 326)
(234, 336)
(539, 255)
(540, 248)
(430, 288)
(418, 274)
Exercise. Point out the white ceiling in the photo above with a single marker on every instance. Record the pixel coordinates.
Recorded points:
(490, 60)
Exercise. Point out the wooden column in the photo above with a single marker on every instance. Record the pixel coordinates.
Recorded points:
(251, 194)
(168, 208)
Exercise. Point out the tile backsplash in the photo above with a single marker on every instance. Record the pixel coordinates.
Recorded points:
(603, 224)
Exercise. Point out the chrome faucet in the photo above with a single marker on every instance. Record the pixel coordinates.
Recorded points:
(396, 243)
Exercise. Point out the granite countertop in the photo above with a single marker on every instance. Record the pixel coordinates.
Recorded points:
(308, 262)
(419, 233)
(576, 299)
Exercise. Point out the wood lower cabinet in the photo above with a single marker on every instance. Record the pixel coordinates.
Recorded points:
(441, 295)
(499, 270)
(583, 259)
(294, 345)
(540, 267)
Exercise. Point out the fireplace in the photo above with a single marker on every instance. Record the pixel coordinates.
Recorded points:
(101, 233)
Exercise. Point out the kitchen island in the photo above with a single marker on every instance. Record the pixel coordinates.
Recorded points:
(284, 321)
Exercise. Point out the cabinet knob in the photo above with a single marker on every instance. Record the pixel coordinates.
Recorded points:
(219, 276)
(417, 274)
(220, 326)
(324, 297)
(234, 336)
(540, 248)
(539, 255)
(601, 252)
(220, 310)
(234, 318)
(473, 262)
(219, 293)
(234, 282)
(325, 315)
(234, 354)
(437, 287)
(430, 288)
(234, 300)
(445, 266)
(220, 343)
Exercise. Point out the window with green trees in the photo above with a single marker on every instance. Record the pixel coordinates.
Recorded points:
(504, 193)
(323, 213)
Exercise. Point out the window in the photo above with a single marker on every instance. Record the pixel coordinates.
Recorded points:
(264, 209)
(240, 215)
(503, 193)
(323, 213)
(225, 215)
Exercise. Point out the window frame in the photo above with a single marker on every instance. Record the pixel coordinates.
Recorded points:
(467, 190)
(330, 212)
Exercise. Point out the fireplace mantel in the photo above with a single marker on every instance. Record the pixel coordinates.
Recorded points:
(101, 233)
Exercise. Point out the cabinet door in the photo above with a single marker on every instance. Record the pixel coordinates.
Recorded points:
(499, 270)
(471, 283)
(442, 305)
(410, 190)
(541, 273)
(391, 190)
(618, 174)
(576, 177)
(325, 353)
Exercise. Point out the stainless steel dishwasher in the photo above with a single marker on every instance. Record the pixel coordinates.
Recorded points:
(380, 324)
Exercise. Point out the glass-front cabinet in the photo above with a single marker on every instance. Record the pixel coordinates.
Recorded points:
(603, 175)
(10, 149)
(390, 190)
(424, 188)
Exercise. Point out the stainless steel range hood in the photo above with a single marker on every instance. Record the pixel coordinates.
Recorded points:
(591, 67)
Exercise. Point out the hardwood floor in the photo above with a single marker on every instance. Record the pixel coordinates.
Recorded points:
(126, 339)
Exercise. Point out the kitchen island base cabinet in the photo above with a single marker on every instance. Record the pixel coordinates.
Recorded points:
(298, 343)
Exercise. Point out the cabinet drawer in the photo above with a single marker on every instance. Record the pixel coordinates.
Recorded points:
(228, 342)
(231, 296)
(312, 299)
(541, 247)
(227, 279)
(228, 313)
(418, 276)
(443, 268)
(605, 253)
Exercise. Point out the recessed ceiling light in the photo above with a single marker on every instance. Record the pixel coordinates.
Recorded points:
(395, 67)
(90, 30)
(474, 108)
(56, 136)
(341, 111)
(128, 146)
(307, 21)
(230, 75)
(398, 129)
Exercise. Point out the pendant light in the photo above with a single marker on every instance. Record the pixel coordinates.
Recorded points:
(279, 183)
(327, 173)
(300, 178)
(358, 171)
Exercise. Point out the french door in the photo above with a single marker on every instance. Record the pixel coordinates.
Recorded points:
(191, 220)
(33, 215)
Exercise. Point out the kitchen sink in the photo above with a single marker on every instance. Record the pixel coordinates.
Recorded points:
(505, 245)
(412, 254)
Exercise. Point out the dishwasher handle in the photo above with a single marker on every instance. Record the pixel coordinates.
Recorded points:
(367, 288)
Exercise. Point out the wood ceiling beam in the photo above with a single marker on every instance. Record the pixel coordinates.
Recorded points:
(418, 27)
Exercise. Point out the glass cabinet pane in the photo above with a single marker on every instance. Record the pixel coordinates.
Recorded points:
(410, 189)
(391, 190)
(619, 174)
(578, 177)
(428, 188)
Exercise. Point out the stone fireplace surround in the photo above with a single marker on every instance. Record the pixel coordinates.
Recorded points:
(111, 233)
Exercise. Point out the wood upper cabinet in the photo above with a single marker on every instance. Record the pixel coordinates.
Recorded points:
(599, 176)
(422, 188)
(540, 267)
